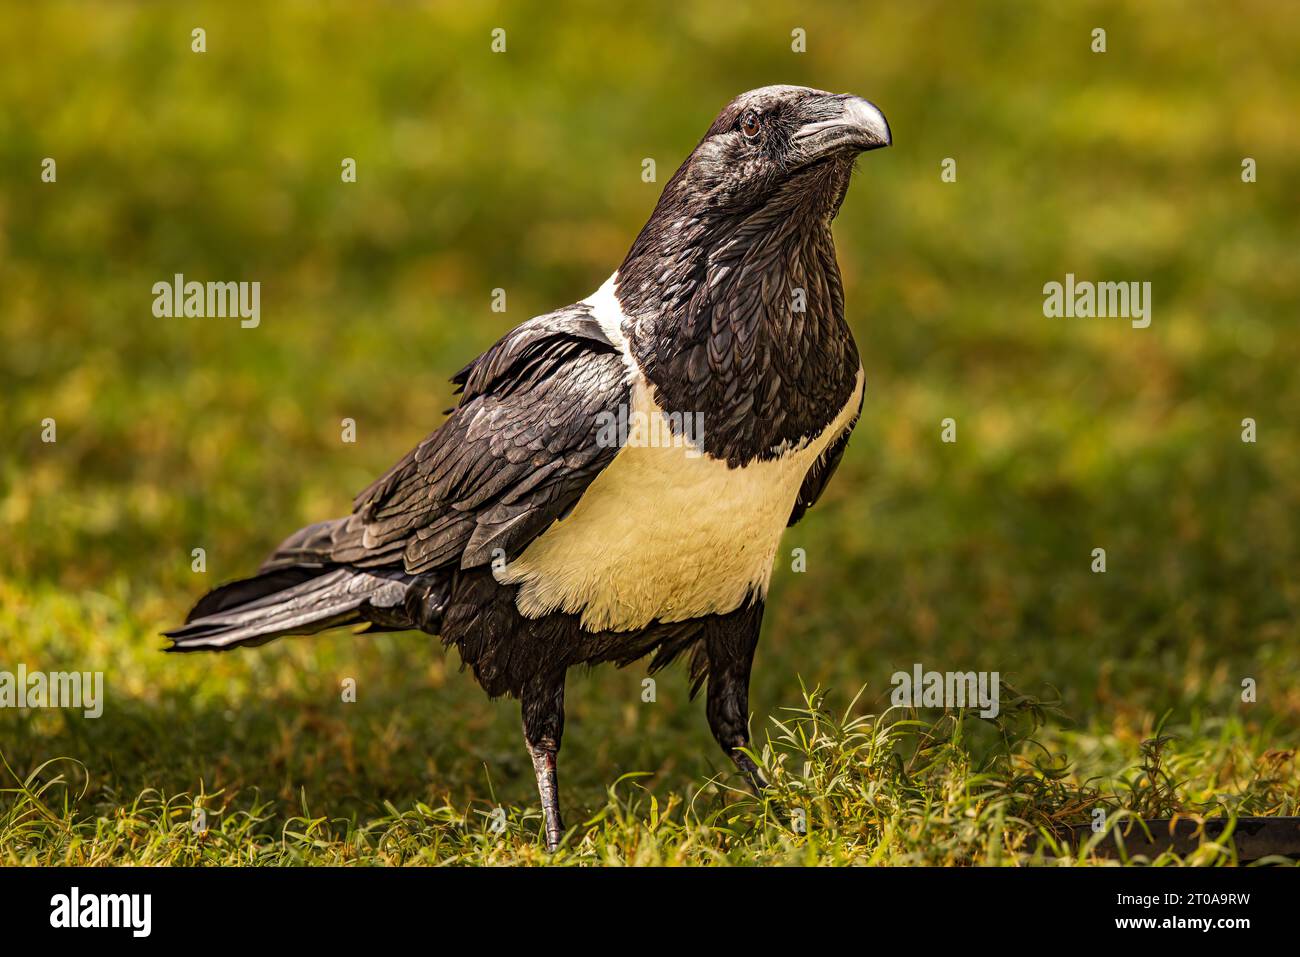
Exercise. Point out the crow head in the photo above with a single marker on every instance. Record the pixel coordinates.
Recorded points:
(776, 140)
(771, 171)
(731, 295)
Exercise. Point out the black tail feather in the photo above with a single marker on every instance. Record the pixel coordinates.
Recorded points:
(298, 600)
(249, 590)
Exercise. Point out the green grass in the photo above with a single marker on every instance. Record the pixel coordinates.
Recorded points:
(523, 172)
(845, 788)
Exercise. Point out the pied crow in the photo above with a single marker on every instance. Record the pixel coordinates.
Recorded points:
(533, 536)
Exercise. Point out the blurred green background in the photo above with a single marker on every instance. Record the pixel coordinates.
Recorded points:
(522, 171)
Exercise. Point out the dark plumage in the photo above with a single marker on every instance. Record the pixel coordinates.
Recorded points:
(519, 534)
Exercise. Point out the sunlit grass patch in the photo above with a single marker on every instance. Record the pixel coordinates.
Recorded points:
(845, 788)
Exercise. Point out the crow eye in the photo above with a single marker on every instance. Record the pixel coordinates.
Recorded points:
(749, 124)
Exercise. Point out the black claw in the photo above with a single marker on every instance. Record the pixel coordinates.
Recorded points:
(753, 777)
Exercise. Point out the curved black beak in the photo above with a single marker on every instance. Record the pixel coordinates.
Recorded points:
(843, 122)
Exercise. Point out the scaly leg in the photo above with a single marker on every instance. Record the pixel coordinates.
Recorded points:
(542, 704)
(730, 643)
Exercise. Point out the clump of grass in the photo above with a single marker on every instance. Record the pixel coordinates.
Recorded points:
(900, 787)
(906, 789)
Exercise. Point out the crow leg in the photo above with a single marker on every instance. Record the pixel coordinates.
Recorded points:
(543, 711)
(730, 642)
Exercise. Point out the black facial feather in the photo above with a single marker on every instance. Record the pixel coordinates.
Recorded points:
(710, 284)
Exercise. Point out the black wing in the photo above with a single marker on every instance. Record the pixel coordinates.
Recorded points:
(814, 483)
(512, 457)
